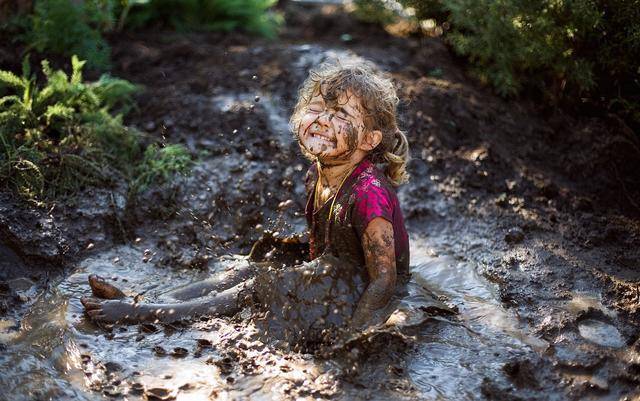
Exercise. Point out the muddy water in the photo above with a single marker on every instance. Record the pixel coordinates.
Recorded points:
(57, 354)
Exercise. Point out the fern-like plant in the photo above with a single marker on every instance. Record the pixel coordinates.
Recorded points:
(67, 134)
(69, 27)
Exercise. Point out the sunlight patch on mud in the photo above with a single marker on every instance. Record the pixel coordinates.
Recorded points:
(583, 301)
(600, 333)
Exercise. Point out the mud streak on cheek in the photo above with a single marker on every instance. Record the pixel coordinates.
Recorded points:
(352, 138)
(298, 130)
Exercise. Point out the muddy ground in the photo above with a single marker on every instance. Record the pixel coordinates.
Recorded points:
(546, 203)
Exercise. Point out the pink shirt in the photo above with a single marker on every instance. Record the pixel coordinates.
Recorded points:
(365, 195)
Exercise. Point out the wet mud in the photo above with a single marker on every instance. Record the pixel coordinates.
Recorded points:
(523, 220)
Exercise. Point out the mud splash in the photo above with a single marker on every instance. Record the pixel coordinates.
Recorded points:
(57, 353)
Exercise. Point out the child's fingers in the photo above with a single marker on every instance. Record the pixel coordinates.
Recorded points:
(96, 314)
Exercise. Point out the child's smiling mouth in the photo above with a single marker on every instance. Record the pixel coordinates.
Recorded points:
(319, 138)
(324, 138)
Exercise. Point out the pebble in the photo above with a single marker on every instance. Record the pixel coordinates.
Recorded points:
(159, 393)
(514, 235)
(204, 343)
(137, 387)
(113, 367)
(148, 328)
(179, 352)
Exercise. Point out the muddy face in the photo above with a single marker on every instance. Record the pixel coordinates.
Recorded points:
(332, 130)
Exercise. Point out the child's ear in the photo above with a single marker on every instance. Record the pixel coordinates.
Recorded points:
(371, 140)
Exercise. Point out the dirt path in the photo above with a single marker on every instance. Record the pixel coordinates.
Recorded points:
(543, 204)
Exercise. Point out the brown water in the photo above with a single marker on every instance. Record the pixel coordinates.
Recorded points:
(56, 353)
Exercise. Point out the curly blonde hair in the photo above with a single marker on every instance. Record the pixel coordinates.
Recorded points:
(379, 102)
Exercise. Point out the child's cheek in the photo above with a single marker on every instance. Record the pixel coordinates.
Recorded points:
(348, 136)
(303, 127)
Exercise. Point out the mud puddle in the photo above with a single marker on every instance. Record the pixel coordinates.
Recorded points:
(56, 353)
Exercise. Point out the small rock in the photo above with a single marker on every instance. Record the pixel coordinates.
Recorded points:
(136, 388)
(187, 386)
(514, 235)
(179, 352)
(158, 393)
(148, 328)
(112, 367)
(204, 343)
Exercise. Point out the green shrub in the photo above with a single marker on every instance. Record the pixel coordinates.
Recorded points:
(563, 48)
(67, 27)
(519, 43)
(68, 134)
(216, 15)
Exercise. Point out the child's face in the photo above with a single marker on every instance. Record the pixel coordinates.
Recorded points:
(333, 132)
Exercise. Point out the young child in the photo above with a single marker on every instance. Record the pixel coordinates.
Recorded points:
(345, 123)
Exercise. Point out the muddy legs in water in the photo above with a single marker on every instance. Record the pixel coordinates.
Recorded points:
(218, 295)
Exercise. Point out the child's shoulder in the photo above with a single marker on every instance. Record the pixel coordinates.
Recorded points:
(371, 179)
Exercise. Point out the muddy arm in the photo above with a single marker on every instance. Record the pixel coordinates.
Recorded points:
(379, 252)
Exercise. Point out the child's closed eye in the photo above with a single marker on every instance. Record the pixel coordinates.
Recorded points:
(341, 114)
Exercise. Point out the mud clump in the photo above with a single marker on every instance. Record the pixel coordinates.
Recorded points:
(308, 303)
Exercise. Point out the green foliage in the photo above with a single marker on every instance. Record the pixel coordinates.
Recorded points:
(562, 48)
(380, 12)
(516, 43)
(159, 164)
(215, 15)
(65, 135)
(69, 27)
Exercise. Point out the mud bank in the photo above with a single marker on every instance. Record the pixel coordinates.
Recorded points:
(527, 220)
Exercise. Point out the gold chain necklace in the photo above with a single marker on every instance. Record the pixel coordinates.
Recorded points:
(335, 196)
